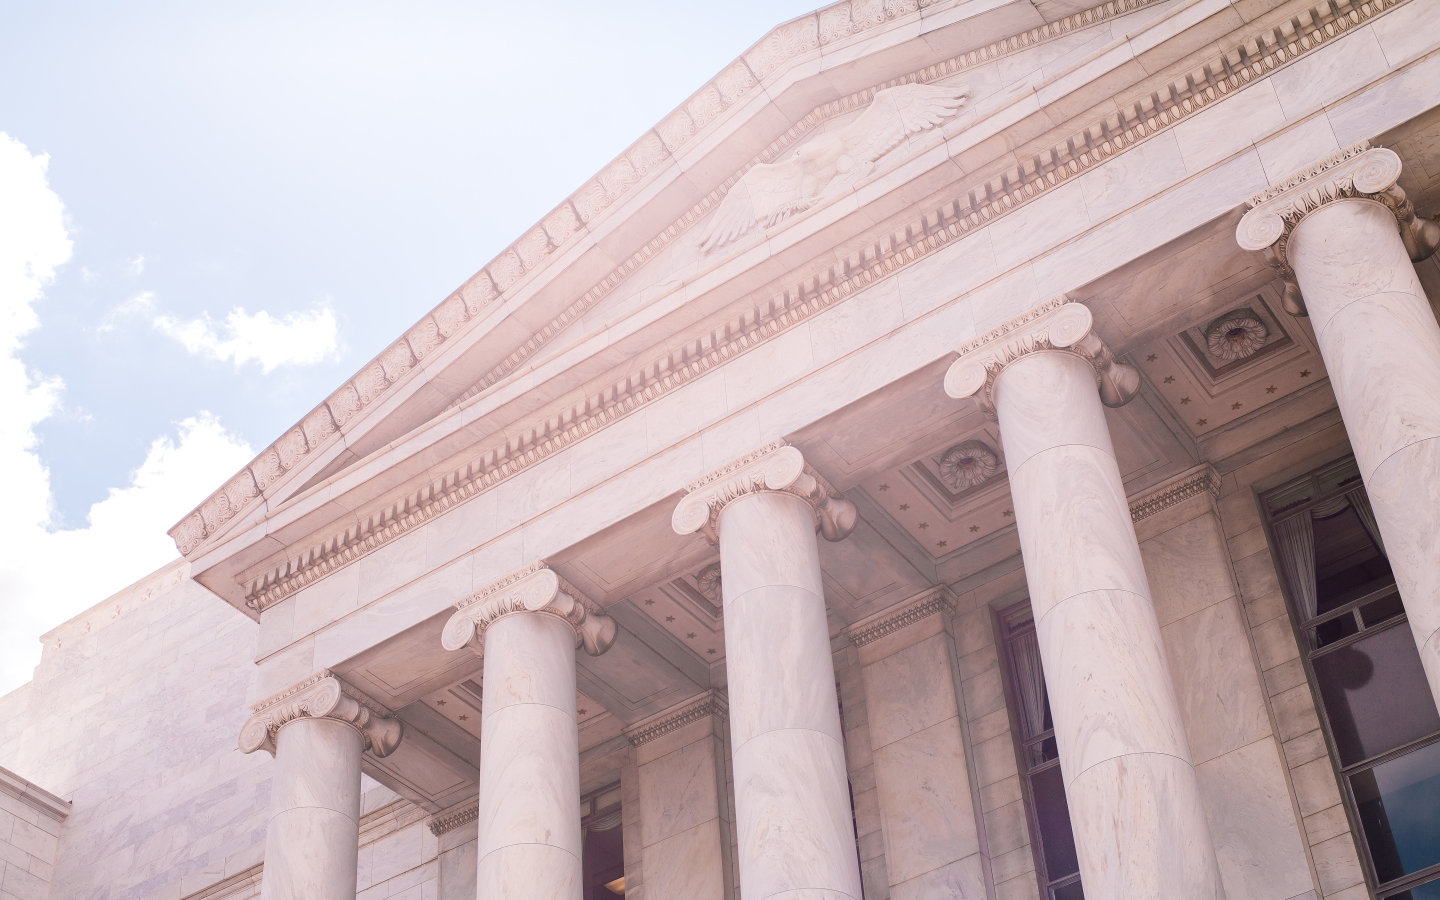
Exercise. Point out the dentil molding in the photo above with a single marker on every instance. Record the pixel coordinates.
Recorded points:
(318, 696)
(1057, 324)
(930, 602)
(775, 466)
(1196, 482)
(1261, 54)
(536, 588)
(1359, 172)
(676, 717)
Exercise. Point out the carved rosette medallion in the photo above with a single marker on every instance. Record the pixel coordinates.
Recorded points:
(775, 466)
(707, 580)
(1236, 337)
(322, 695)
(536, 588)
(1359, 172)
(1056, 324)
(968, 465)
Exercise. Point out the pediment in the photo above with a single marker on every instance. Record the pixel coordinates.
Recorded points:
(523, 357)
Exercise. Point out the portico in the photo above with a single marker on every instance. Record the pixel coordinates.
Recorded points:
(882, 481)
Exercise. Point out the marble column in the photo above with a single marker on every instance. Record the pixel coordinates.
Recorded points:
(527, 627)
(317, 730)
(1344, 236)
(1135, 806)
(796, 837)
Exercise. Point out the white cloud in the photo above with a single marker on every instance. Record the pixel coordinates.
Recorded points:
(46, 575)
(299, 339)
(135, 266)
(142, 303)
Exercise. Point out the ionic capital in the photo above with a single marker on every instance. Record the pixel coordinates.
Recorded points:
(775, 466)
(1359, 172)
(321, 696)
(1057, 324)
(536, 588)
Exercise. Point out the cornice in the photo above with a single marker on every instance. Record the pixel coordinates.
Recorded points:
(930, 602)
(677, 717)
(1359, 172)
(809, 295)
(773, 466)
(566, 224)
(535, 588)
(454, 817)
(33, 796)
(321, 695)
(1057, 324)
(1196, 482)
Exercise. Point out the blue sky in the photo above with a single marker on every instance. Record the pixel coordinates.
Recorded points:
(217, 212)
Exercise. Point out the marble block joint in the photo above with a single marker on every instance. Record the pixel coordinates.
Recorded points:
(1359, 172)
(534, 588)
(774, 466)
(1057, 324)
(321, 695)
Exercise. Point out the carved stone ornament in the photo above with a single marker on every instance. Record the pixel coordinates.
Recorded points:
(322, 695)
(708, 580)
(1057, 324)
(1236, 337)
(1358, 172)
(831, 163)
(535, 589)
(968, 465)
(775, 466)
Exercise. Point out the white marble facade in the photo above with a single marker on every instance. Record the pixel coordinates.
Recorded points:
(666, 556)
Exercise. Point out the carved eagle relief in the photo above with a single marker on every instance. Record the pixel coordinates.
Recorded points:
(824, 167)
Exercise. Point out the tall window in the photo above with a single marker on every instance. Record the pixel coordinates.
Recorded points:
(1379, 718)
(1056, 865)
(603, 864)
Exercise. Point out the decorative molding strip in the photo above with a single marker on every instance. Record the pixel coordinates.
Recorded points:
(535, 588)
(1357, 172)
(321, 695)
(33, 796)
(773, 466)
(809, 295)
(933, 600)
(454, 817)
(1195, 482)
(1057, 324)
(243, 885)
(677, 717)
(569, 219)
(115, 606)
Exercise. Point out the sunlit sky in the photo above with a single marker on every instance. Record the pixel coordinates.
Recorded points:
(212, 214)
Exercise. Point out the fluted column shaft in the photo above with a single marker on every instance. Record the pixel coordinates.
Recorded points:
(529, 816)
(1381, 347)
(796, 837)
(1139, 825)
(312, 840)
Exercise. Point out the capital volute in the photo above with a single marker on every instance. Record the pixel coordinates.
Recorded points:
(774, 466)
(321, 696)
(1359, 172)
(536, 588)
(1057, 324)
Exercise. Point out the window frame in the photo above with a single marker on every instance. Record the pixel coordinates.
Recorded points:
(1309, 651)
(1003, 634)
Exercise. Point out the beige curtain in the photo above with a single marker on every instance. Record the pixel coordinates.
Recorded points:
(1295, 546)
(1361, 502)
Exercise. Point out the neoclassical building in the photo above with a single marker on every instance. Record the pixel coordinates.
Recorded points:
(968, 450)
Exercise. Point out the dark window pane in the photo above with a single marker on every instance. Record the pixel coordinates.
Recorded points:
(1070, 891)
(1335, 629)
(1382, 609)
(1053, 814)
(1399, 805)
(1376, 695)
(1041, 752)
(1348, 565)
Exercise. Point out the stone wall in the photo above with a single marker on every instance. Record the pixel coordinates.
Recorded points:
(30, 820)
(132, 716)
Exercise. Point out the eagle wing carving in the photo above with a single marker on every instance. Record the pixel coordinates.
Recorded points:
(768, 193)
